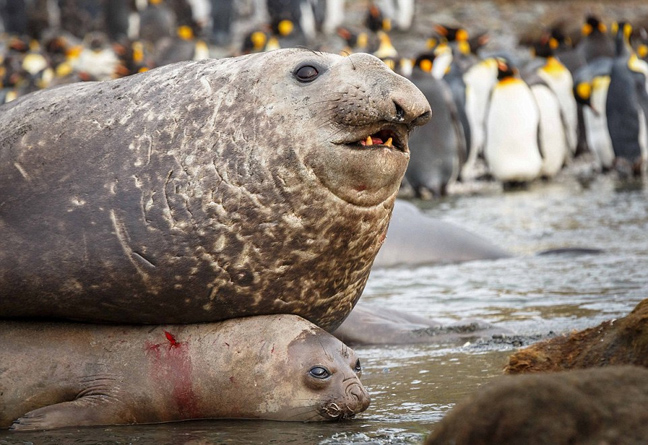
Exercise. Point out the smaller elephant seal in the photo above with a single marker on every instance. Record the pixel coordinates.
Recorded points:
(276, 367)
(203, 191)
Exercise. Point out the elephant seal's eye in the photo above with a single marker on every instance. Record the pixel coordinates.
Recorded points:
(357, 368)
(319, 372)
(306, 73)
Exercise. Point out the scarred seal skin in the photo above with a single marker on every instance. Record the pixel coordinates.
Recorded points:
(203, 191)
(277, 367)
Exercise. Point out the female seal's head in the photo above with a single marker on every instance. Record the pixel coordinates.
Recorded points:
(286, 368)
(331, 377)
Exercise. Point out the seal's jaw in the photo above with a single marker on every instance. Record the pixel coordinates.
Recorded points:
(362, 174)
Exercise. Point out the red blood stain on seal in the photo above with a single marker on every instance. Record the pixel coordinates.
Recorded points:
(171, 368)
(171, 338)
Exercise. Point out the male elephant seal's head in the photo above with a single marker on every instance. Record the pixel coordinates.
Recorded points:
(347, 118)
(204, 191)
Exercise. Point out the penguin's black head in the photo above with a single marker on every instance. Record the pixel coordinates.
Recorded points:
(375, 20)
(623, 32)
(452, 34)
(505, 69)
(545, 46)
(349, 36)
(593, 25)
(562, 39)
(255, 41)
(478, 41)
(19, 44)
(425, 61)
(622, 28)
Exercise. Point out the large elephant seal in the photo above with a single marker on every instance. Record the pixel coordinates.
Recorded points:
(278, 367)
(203, 191)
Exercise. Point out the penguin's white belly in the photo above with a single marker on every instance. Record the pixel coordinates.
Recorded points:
(562, 84)
(643, 138)
(479, 80)
(553, 140)
(596, 128)
(511, 148)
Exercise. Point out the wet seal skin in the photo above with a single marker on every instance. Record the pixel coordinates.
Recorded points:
(202, 191)
(277, 367)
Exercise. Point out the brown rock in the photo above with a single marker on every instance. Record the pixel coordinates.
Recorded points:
(593, 406)
(615, 342)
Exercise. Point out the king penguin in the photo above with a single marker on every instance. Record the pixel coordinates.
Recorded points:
(553, 140)
(223, 15)
(559, 79)
(117, 14)
(626, 106)
(480, 80)
(511, 150)
(157, 21)
(591, 84)
(436, 147)
(400, 12)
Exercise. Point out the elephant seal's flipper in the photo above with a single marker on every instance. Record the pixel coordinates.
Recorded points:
(85, 411)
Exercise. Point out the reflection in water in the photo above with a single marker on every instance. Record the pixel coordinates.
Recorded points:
(533, 296)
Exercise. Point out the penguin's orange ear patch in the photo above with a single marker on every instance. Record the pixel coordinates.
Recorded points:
(426, 65)
(584, 90)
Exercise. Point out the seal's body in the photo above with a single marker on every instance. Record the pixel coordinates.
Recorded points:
(415, 238)
(278, 367)
(203, 191)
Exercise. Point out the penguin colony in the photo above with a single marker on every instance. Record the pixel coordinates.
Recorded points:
(493, 116)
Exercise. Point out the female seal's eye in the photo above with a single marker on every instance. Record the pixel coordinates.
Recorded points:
(319, 372)
(357, 368)
(306, 73)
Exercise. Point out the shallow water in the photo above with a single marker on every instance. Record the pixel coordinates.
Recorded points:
(533, 296)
